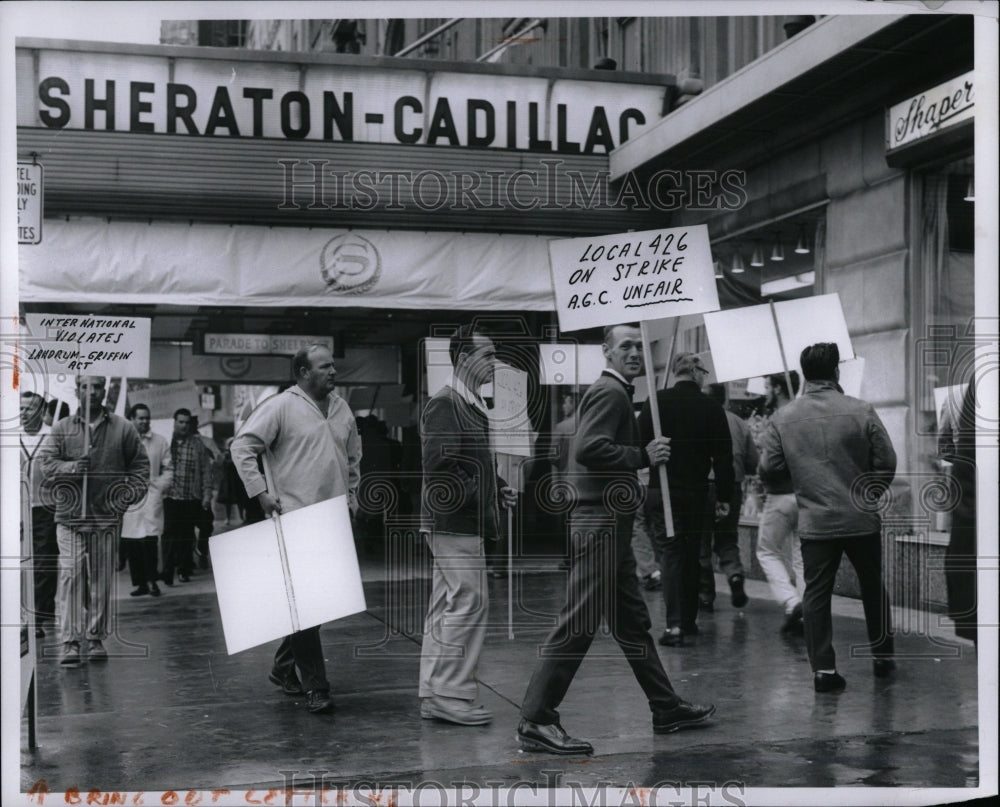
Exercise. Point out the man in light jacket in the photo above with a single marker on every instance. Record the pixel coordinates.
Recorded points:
(312, 445)
(841, 461)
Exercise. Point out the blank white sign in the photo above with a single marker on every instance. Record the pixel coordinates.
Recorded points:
(324, 581)
(745, 344)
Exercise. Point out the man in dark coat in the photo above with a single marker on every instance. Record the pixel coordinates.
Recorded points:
(460, 510)
(606, 454)
(700, 443)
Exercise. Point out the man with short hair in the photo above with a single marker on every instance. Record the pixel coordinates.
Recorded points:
(90, 489)
(459, 471)
(310, 439)
(606, 455)
(142, 523)
(778, 549)
(189, 493)
(840, 460)
(700, 444)
(206, 520)
(44, 547)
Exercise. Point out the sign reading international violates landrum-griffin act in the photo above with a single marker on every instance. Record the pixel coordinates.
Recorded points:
(632, 277)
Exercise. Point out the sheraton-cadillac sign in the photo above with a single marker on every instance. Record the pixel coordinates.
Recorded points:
(939, 108)
(155, 90)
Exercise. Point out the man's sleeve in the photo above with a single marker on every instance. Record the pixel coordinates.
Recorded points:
(136, 462)
(721, 447)
(597, 447)
(51, 456)
(882, 457)
(162, 482)
(751, 457)
(772, 465)
(259, 431)
(353, 460)
(440, 433)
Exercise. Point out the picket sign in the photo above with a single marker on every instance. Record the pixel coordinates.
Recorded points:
(72, 345)
(636, 276)
(285, 574)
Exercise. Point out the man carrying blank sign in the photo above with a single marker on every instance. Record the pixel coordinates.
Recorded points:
(606, 454)
(303, 432)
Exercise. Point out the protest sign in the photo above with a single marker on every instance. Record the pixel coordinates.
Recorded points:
(276, 578)
(631, 277)
(745, 341)
(509, 422)
(89, 345)
(165, 399)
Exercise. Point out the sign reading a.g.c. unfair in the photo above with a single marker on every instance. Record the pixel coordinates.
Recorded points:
(632, 277)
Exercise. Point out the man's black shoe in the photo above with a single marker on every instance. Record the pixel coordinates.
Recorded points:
(552, 739)
(793, 621)
(290, 684)
(318, 703)
(883, 667)
(167, 581)
(739, 596)
(139, 592)
(684, 715)
(672, 638)
(154, 589)
(828, 682)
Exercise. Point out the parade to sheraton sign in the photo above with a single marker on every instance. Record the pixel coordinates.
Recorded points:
(316, 101)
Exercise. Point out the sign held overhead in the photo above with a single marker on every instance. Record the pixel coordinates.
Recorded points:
(632, 277)
(88, 345)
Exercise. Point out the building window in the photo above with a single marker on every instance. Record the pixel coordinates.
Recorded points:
(945, 343)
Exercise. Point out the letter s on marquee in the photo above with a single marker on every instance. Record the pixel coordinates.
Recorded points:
(45, 90)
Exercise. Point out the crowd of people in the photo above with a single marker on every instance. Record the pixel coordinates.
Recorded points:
(820, 457)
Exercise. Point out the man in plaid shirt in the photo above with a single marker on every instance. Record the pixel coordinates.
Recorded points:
(189, 494)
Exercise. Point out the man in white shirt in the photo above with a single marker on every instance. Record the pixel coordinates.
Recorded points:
(142, 524)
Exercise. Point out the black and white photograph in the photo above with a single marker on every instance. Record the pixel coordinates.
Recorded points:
(439, 406)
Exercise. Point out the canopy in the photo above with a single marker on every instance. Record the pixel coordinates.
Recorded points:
(94, 260)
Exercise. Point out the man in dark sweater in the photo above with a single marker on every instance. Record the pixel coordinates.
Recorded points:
(699, 443)
(606, 453)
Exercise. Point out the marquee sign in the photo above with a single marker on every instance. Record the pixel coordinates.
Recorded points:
(158, 90)
(933, 110)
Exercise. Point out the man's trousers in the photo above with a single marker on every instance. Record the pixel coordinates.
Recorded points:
(305, 651)
(180, 517)
(87, 558)
(821, 559)
(602, 585)
(778, 549)
(455, 626)
(45, 563)
(142, 555)
(681, 553)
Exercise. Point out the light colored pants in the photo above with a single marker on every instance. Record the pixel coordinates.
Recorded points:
(455, 626)
(87, 559)
(778, 549)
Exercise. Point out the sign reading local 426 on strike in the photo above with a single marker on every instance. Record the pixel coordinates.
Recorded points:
(632, 277)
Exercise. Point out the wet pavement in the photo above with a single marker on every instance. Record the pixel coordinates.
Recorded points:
(171, 710)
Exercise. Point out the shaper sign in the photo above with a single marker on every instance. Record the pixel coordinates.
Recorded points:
(632, 277)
